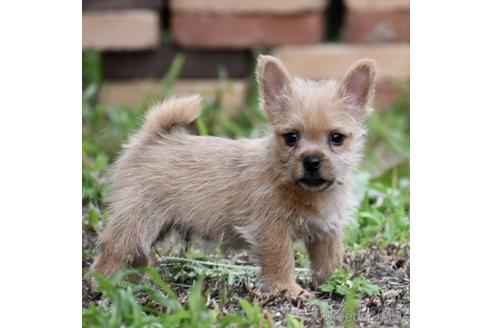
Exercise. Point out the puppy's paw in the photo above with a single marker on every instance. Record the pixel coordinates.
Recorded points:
(291, 292)
(294, 291)
(305, 295)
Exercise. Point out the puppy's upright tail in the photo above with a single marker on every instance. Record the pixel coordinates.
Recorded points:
(173, 113)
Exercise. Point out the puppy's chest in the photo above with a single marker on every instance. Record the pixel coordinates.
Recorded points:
(314, 226)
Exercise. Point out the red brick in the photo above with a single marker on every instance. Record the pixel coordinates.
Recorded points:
(331, 60)
(389, 92)
(245, 31)
(377, 26)
(377, 5)
(120, 30)
(134, 93)
(248, 6)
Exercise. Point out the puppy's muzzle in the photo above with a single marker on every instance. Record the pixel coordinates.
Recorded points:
(312, 179)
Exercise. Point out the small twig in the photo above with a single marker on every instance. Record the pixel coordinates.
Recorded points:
(224, 265)
(181, 285)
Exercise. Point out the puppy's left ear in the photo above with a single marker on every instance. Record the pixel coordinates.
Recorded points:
(357, 88)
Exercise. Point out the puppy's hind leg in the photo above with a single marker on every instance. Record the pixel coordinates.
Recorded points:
(117, 245)
(127, 243)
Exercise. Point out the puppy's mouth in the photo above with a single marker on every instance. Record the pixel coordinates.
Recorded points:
(315, 184)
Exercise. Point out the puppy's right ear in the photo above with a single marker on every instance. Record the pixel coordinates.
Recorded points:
(274, 85)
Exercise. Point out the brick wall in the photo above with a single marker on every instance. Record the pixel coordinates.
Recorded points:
(223, 36)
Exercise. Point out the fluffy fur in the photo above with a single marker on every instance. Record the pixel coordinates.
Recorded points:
(248, 193)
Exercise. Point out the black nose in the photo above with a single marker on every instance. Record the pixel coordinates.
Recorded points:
(312, 163)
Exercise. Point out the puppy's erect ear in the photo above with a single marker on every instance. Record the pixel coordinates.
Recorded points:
(358, 86)
(274, 84)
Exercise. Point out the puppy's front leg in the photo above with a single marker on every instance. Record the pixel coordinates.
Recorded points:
(326, 255)
(275, 253)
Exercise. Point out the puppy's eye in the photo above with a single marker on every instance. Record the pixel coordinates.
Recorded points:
(336, 138)
(291, 138)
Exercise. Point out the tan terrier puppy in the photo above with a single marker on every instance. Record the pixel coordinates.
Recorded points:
(260, 194)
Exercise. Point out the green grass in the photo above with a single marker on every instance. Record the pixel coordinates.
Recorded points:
(163, 309)
(383, 216)
(382, 219)
(340, 283)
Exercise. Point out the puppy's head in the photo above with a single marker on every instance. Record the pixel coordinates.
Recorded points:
(318, 125)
